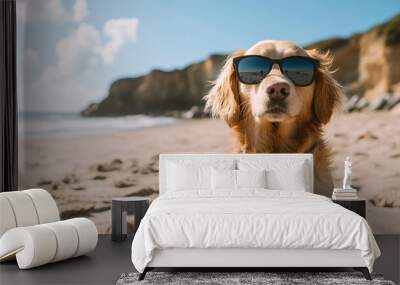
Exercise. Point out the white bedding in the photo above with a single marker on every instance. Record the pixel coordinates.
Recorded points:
(253, 218)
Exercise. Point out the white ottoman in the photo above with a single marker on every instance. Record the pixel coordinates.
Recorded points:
(31, 232)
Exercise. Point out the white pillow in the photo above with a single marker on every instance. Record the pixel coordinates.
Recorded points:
(281, 175)
(223, 179)
(227, 179)
(251, 179)
(188, 175)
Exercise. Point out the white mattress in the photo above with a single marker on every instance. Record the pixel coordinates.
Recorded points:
(252, 219)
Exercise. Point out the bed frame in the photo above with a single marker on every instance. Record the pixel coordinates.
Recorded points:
(246, 259)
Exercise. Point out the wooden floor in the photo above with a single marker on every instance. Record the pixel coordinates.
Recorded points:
(110, 260)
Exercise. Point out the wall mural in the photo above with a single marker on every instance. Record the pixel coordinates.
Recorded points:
(102, 92)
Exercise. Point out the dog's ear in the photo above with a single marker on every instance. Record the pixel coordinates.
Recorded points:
(223, 99)
(327, 92)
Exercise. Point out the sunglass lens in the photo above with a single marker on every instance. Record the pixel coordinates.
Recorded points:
(299, 70)
(252, 69)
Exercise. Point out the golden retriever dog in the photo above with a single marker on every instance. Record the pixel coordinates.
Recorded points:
(275, 115)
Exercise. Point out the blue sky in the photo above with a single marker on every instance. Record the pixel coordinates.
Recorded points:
(162, 34)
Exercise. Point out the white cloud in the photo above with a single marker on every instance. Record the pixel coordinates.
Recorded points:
(71, 83)
(80, 10)
(120, 32)
(42, 11)
(52, 11)
(78, 49)
(85, 46)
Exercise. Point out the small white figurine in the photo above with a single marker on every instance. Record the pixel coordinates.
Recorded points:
(347, 174)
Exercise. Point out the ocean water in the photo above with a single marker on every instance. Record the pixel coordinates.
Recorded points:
(52, 124)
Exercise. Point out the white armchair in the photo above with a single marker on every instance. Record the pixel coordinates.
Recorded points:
(31, 230)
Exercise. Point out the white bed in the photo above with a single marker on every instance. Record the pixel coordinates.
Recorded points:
(248, 227)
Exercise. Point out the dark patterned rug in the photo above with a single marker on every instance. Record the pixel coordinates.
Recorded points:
(269, 278)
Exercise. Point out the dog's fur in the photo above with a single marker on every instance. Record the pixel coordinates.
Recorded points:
(297, 126)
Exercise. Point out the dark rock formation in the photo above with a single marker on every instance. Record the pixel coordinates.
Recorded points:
(159, 91)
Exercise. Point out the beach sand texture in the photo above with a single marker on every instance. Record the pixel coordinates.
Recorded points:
(84, 173)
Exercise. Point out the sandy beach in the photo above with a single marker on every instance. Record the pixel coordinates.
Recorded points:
(83, 173)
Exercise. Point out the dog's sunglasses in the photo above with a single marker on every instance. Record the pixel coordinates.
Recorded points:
(252, 69)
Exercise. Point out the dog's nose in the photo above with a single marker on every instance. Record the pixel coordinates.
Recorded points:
(278, 91)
